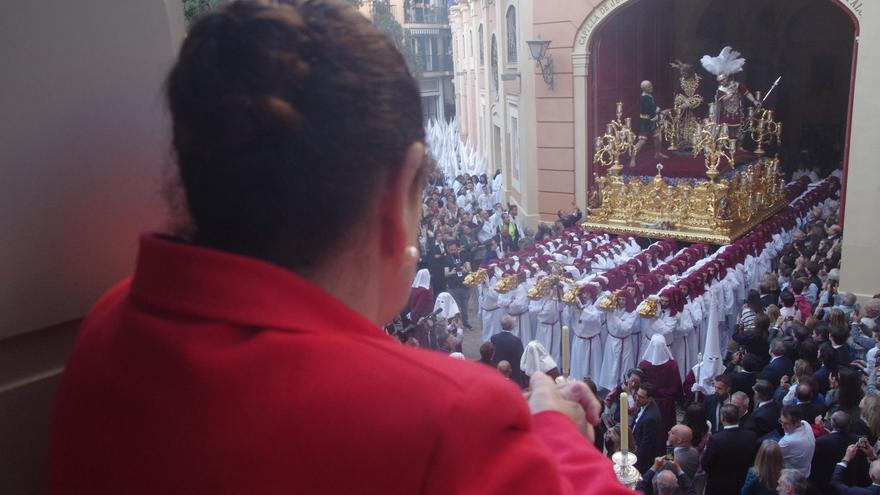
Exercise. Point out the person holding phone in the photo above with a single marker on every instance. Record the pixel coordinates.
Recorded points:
(665, 477)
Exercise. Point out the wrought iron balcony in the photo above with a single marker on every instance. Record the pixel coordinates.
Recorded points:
(426, 15)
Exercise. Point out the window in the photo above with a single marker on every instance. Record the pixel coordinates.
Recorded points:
(430, 107)
(494, 56)
(482, 55)
(513, 142)
(511, 35)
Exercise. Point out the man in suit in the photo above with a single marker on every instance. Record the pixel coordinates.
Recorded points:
(684, 453)
(508, 347)
(780, 365)
(648, 437)
(729, 454)
(741, 401)
(837, 477)
(713, 403)
(830, 449)
(805, 395)
(743, 381)
(765, 417)
(665, 478)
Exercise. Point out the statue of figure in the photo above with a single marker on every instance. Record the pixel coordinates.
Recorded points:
(649, 113)
(684, 105)
(728, 97)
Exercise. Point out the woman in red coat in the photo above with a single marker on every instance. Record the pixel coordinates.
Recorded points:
(246, 353)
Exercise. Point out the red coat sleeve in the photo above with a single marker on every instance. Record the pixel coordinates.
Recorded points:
(493, 445)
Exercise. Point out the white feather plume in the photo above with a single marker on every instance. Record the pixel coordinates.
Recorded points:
(727, 62)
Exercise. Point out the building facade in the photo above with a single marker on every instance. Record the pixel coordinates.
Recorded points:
(539, 133)
(426, 27)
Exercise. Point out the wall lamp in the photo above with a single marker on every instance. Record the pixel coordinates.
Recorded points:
(538, 52)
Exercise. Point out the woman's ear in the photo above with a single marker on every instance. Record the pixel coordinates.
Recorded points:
(400, 206)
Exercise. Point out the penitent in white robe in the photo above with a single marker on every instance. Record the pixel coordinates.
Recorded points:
(518, 309)
(549, 331)
(586, 351)
(617, 356)
(685, 344)
(491, 310)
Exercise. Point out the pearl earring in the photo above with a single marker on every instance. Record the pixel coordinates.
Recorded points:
(412, 254)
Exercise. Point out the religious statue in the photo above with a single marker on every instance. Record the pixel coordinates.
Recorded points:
(684, 122)
(728, 98)
(649, 113)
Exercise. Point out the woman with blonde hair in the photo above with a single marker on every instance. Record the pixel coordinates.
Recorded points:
(870, 407)
(764, 475)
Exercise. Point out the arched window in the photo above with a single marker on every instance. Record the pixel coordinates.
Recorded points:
(511, 35)
(482, 55)
(494, 61)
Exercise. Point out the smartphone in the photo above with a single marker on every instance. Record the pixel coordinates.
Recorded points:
(670, 452)
(863, 443)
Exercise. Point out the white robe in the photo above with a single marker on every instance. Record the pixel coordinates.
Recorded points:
(586, 351)
(617, 356)
(686, 345)
(491, 310)
(549, 331)
(518, 309)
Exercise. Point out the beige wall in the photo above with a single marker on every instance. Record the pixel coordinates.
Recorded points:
(83, 141)
(861, 242)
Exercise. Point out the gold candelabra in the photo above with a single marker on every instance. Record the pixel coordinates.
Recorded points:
(763, 129)
(618, 139)
(714, 142)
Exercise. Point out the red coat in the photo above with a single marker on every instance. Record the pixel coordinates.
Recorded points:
(214, 373)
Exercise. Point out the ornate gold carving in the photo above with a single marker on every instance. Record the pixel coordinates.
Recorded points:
(708, 211)
(648, 308)
(546, 284)
(476, 278)
(678, 124)
(618, 139)
(507, 284)
(610, 303)
(763, 129)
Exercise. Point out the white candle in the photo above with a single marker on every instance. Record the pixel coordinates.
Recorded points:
(624, 423)
(566, 352)
(619, 108)
(608, 129)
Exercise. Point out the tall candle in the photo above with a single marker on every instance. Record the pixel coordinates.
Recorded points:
(619, 108)
(624, 422)
(608, 129)
(628, 122)
(566, 352)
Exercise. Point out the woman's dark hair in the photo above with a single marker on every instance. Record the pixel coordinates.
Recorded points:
(762, 325)
(695, 417)
(828, 356)
(787, 299)
(286, 121)
(849, 391)
(807, 350)
(753, 301)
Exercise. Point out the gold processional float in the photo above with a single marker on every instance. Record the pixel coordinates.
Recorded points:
(709, 210)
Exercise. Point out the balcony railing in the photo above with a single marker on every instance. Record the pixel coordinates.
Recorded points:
(436, 63)
(427, 15)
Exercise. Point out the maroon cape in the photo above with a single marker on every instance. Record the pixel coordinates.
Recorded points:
(667, 388)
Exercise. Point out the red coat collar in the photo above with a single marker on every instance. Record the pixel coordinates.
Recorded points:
(210, 284)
